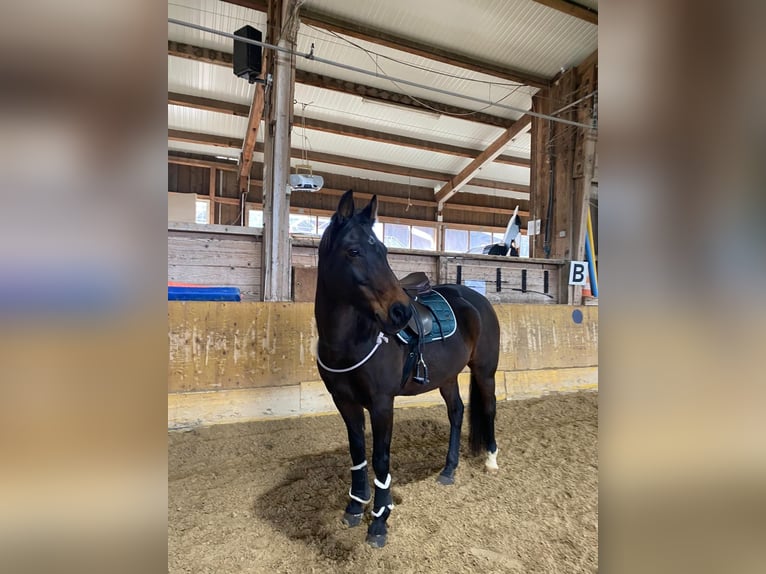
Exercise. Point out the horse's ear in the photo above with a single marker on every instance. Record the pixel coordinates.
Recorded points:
(371, 211)
(346, 206)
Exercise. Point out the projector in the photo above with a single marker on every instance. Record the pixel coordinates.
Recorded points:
(306, 182)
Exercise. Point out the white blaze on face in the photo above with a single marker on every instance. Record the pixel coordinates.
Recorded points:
(491, 463)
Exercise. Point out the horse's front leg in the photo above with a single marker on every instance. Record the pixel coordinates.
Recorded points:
(382, 417)
(353, 416)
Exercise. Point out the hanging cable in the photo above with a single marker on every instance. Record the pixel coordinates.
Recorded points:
(314, 57)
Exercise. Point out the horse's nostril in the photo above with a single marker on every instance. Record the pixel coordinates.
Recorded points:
(398, 314)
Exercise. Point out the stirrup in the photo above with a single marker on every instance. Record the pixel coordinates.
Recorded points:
(421, 372)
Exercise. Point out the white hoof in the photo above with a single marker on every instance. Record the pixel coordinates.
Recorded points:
(491, 463)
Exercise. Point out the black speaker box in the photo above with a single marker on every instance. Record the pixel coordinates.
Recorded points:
(248, 57)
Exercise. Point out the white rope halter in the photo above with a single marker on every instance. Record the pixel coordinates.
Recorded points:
(381, 339)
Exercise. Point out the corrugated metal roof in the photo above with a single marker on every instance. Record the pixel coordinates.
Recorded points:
(516, 33)
(207, 80)
(211, 14)
(374, 59)
(206, 122)
(355, 111)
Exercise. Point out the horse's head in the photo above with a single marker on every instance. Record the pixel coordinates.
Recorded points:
(353, 267)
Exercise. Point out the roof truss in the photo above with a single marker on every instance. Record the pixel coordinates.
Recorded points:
(318, 19)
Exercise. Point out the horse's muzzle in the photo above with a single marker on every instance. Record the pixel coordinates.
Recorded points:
(398, 315)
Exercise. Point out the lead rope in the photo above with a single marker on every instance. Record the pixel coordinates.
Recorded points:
(381, 339)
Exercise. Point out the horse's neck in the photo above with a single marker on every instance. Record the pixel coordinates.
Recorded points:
(341, 327)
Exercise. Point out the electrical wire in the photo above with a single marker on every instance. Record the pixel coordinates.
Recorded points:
(311, 56)
(410, 64)
(346, 41)
(422, 103)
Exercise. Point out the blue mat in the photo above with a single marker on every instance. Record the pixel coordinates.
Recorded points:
(203, 293)
(443, 328)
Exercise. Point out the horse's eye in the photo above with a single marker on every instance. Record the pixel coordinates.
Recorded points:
(353, 253)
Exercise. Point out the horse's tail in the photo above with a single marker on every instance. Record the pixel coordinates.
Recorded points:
(480, 418)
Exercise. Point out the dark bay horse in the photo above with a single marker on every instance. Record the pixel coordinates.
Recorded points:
(359, 308)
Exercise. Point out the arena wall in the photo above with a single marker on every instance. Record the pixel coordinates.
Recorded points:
(234, 362)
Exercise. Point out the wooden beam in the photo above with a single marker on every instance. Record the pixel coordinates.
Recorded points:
(251, 133)
(573, 9)
(181, 160)
(333, 159)
(404, 201)
(200, 54)
(395, 139)
(242, 110)
(257, 183)
(455, 183)
(396, 98)
(305, 78)
(312, 17)
(588, 62)
(208, 104)
(209, 139)
(501, 185)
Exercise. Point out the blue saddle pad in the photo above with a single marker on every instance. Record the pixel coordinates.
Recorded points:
(441, 329)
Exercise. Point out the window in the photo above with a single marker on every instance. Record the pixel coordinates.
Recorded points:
(396, 235)
(423, 238)
(455, 240)
(479, 239)
(254, 218)
(377, 229)
(322, 223)
(303, 224)
(202, 214)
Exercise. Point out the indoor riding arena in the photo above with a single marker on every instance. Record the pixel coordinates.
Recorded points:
(468, 133)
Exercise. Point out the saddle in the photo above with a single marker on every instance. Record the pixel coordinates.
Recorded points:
(419, 325)
(416, 284)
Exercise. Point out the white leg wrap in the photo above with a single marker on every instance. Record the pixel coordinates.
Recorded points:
(358, 499)
(360, 465)
(384, 485)
(491, 462)
(381, 510)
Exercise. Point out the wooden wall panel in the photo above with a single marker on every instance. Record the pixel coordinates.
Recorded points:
(405, 263)
(216, 259)
(217, 346)
(235, 259)
(474, 269)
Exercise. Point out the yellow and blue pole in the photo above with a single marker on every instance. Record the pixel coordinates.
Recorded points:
(590, 257)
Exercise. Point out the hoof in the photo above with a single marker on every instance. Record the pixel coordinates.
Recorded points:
(445, 480)
(352, 520)
(376, 540)
(490, 465)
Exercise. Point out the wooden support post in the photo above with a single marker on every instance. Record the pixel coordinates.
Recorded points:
(540, 172)
(282, 30)
(211, 208)
(584, 162)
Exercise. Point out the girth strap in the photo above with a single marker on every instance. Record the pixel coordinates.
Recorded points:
(415, 361)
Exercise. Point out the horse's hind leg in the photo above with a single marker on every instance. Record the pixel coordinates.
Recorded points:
(451, 395)
(353, 416)
(483, 410)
